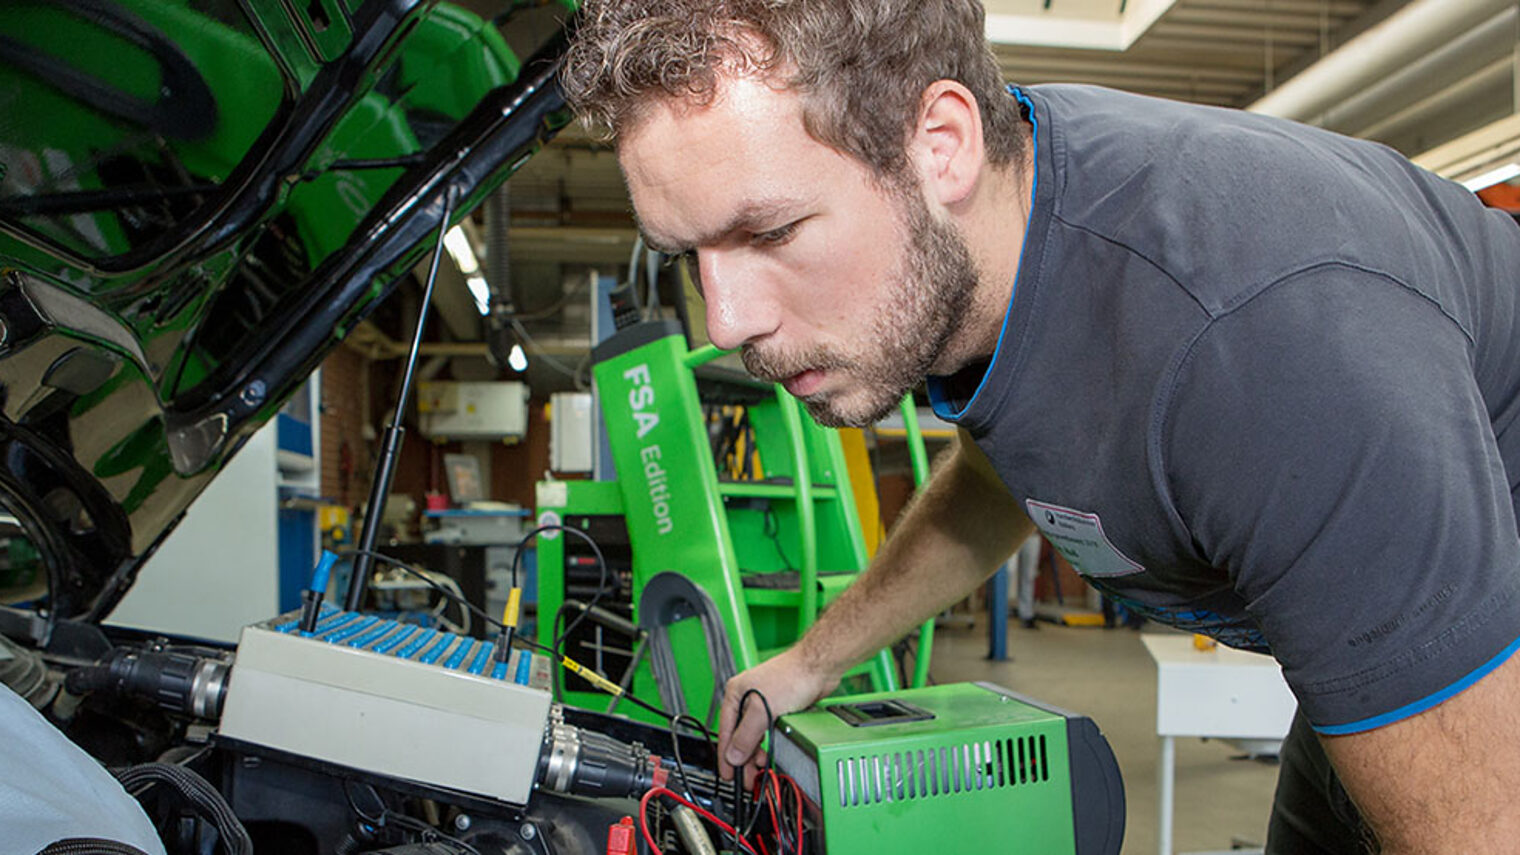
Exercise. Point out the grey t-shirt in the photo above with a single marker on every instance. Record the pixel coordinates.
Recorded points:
(1261, 381)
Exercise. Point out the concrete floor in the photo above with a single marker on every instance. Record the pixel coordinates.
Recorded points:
(1107, 675)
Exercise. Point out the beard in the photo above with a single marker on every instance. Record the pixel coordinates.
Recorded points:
(935, 278)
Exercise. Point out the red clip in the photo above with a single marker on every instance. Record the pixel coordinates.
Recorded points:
(620, 839)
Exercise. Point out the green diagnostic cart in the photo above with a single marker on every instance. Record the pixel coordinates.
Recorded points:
(750, 561)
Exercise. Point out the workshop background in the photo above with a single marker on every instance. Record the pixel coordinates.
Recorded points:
(556, 250)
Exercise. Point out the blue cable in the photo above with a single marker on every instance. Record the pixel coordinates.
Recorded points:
(482, 657)
(436, 650)
(457, 657)
(410, 650)
(391, 643)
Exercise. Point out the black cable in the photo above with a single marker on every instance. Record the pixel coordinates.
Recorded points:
(197, 791)
(556, 691)
(542, 648)
(629, 696)
(427, 833)
(555, 651)
(420, 574)
(556, 656)
(675, 741)
(772, 530)
(601, 563)
(358, 811)
(89, 846)
(522, 640)
(770, 724)
(779, 818)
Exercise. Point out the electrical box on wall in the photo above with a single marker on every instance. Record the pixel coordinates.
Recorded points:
(450, 410)
(570, 415)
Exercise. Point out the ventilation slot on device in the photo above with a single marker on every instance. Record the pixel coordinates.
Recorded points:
(924, 773)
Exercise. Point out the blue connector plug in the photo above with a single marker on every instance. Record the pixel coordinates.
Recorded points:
(311, 598)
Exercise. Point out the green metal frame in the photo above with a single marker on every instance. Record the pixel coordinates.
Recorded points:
(681, 517)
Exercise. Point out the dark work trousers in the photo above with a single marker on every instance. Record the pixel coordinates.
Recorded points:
(1312, 815)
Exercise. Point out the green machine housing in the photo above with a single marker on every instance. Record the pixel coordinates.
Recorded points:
(958, 768)
(761, 556)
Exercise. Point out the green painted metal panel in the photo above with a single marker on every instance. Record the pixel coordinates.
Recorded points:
(323, 25)
(672, 504)
(987, 769)
(447, 64)
(681, 518)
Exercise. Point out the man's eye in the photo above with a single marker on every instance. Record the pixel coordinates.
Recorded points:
(774, 237)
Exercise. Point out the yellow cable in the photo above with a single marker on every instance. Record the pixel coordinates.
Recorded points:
(591, 676)
(509, 614)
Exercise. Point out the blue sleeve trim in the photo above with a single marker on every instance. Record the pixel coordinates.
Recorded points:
(938, 402)
(1425, 703)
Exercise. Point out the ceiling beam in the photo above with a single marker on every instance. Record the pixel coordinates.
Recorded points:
(1056, 65)
(1416, 29)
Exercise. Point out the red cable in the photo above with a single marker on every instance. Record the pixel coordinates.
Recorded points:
(797, 795)
(644, 822)
(775, 802)
(700, 811)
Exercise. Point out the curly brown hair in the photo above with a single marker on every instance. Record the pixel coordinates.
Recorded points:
(860, 65)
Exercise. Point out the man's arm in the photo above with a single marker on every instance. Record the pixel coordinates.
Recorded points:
(1443, 781)
(954, 534)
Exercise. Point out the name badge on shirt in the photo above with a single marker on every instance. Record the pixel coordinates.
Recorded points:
(1079, 537)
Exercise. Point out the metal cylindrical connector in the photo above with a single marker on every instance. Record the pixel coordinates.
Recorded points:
(585, 763)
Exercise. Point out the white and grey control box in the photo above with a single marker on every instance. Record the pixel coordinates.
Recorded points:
(389, 698)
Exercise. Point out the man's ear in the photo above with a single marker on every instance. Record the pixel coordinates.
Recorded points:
(947, 146)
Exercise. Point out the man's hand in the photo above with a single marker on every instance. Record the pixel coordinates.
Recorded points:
(788, 683)
(962, 525)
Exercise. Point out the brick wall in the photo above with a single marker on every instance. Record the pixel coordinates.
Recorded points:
(348, 458)
(345, 454)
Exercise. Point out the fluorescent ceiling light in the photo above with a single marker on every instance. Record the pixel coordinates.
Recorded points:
(517, 360)
(1492, 177)
(1480, 158)
(1085, 24)
(458, 245)
(480, 291)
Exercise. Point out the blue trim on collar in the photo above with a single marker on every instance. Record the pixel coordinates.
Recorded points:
(1424, 703)
(939, 401)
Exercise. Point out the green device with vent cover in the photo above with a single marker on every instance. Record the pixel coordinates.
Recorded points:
(959, 768)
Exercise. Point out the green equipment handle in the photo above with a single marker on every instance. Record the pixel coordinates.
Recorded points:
(920, 460)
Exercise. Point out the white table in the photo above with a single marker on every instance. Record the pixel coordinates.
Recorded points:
(1221, 693)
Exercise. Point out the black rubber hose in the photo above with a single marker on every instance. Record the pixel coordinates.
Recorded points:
(89, 846)
(198, 792)
(83, 681)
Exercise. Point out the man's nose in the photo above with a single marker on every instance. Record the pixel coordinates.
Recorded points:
(738, 307)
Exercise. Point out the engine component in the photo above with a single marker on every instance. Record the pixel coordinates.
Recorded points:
(177, 681)
(25, 673)
(585, 763)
